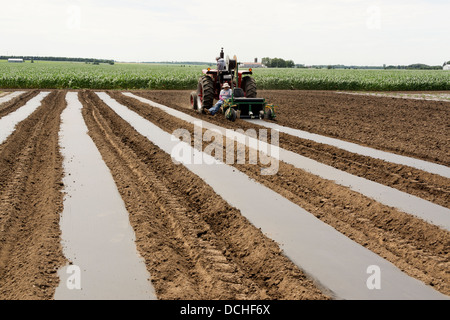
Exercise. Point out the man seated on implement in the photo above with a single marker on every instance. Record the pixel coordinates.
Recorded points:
(225, 94)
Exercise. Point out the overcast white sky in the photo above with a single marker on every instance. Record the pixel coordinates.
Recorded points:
(347, 32)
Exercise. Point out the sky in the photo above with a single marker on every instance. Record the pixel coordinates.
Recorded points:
(310, 32)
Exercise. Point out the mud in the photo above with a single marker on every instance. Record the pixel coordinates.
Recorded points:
(425, 185)
(416, 247)
(194, 243)
(325, 254)
(30, 203)
(410, 127)
(9, 122)
(7, 96)
(390, 157)
(105, 252)
(17, 102)
(405, 202)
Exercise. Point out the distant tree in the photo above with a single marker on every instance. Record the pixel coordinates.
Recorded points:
(266, 61)
(277, 63)
(87, 60)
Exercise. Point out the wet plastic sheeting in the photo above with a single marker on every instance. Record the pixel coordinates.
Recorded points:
(97, 236)
(361, 150)
(328, 256)
(423, 209)
(8, 123)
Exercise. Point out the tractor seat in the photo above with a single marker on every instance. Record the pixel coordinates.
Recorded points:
(257, 100)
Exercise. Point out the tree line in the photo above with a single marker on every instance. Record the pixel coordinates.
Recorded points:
(281, 63)
(33, 58)
(416, 66)
(277, 63)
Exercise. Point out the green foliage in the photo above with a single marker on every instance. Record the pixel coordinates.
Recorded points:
(66, 75)
(277, 63)
(416, 66)
(341, 79)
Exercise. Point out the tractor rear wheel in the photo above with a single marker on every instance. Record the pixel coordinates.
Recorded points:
(205, 93)
(248, 84)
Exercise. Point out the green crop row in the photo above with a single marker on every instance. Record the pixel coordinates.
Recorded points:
(374, 80)
(65, 75)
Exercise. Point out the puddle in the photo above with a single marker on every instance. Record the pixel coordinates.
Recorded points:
(405, 202)
(97, 237)
(435, 168)
(8, 123)
(328, 256)
(10, 96)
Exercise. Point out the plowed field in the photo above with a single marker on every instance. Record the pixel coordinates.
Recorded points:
(196, 244)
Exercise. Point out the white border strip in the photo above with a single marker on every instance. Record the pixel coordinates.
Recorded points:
(427, 166)
(335, 261)
(8, 123)
(10, 96)
(95, 229)
(405, 202)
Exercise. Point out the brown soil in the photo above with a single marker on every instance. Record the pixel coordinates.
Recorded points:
(428, 186)
(30, 204)
(17, 102)
(414, 128)
(416, 247)
(195, 245)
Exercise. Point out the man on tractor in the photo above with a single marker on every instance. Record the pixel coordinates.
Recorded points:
(225, 94)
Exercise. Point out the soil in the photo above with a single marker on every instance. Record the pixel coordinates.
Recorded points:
(195, 245)
(17, 102)
(388, 232)
(414, 128)
(428, 186)
(31, 201)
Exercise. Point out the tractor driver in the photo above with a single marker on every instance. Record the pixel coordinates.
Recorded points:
(221, 66)
(225, 94)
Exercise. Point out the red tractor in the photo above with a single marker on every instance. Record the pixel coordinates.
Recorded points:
(243, 103)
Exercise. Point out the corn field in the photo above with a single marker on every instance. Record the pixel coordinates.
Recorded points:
(376, 80)
(66, 75)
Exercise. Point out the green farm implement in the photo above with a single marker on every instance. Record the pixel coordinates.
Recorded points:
(239, 106)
